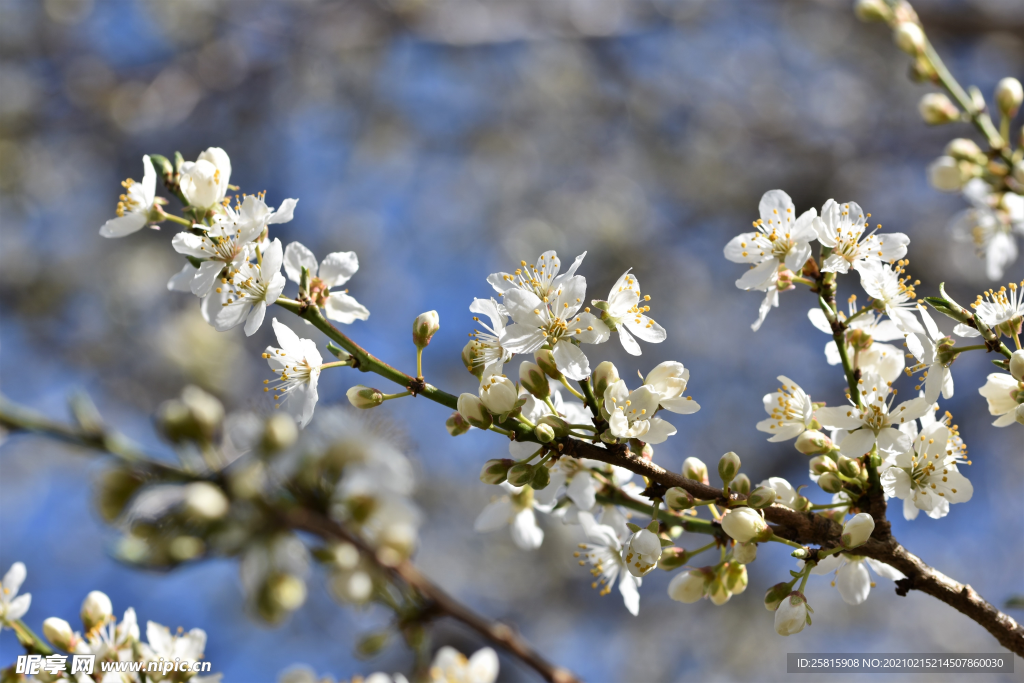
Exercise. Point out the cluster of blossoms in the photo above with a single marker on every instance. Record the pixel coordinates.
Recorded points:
(164, 656)
(448, 666)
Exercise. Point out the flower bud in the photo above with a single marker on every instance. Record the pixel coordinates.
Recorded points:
(965, 149)
(59, 633)
(1009, 96)
(1018, 414)
(424, 327)
(735, 578)
(849, 467)
(678, 498)
(496, 471)
(605, 375)
(521, 474)
(775, 595)
(718, 594)
(801, 504)
(279, 432)
(694, 469)
(872, 10)
(813, 442)
(642, 552)
(745, 553)
(688, 587)
(935, 108)
(858, 530)
(473, 358)
(560, 426)
(364, 397)
(205, 501)
(761, 497)
(791, 615)
(822, 464)
(910, 38)
(1017, 365)
(945, 174)
(541, 478)
(498, 394)
(456, 424)
(534, 380)
(96, 610)
(351, 587)
(200, 184)
(546, 360)
(673, 558)
(544, 433)
(830, 483)
(740, 484)
(728, 466)
(745, 525)
(474, 412)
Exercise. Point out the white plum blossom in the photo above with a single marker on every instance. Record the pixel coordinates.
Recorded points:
(894, 293)
(791, 614)
(553, 320)
(297, 363)
(575, 475)
(161, 643)
(876, 423)
(925, 476)
(12, 605)
(110, 640)
(135, 206)
(1003, 394)
(790, 409)
(864, 347)
(451, 666)
(623, 312)
(1002, 311)
(253, 287)
(785, 494)
(541, 279)
(989, 225)
(669, 380)
(852, 579)
(780, 238)
(604, 553)
(204, 182)
(488, 343)
(497, 392)
(771, 291)
(631, 414)
(335, 270)
(642, 553)
(841, 227)
(927, 350)
(515, 509)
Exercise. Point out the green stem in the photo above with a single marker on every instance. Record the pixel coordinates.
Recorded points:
(388, 397)
(804, 281)
(419, 361)
(973, 347)
(699, 526)
(565, 383)
(336, 364)
(32, 643)
(175, 219)
(786, 541)
(701, 549)
(839, 335)
(506, 432)
(807, 574)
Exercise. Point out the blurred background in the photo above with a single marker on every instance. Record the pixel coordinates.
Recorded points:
(444, 140)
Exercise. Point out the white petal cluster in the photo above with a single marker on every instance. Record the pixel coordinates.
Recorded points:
(12, 605)
(780, 239)
(135, 207)
(990, 225)
(852, 579)
(296, 363)
(790, 412)
(841, 228)
(865, 336)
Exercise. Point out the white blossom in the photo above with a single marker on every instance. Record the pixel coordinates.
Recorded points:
(335, 270)
(785, 494)
(631, 414)
(624, 312)
(160, 643)
(790, 409)
(989, 225)
(925, 476)
(841, 227)
(926, 349)
(791, 614)
(852, 579)
(252, 287)
(135, 206)
(1003, 394)
(864, 337)
(204, 182)
(780, 238)
(669, 380)
(541, 279)
(604, 553)
(297, 364)
(1002, 311)
(896, 294)
(12, 605)
(515, 509)
(642, 553)
(489, 349)
(498, 393)
(110, 640)
(451, 666)
(876, 423)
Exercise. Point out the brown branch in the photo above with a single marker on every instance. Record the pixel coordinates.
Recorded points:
(498, 633)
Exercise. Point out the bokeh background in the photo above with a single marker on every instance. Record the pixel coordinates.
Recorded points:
(444, 140)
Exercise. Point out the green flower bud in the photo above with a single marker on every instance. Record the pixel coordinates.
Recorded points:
(1009, 95)
(822, 464)
(473, 358)
(740, 484)
(696, 470)
(205, 502)
(534, 380)
(605, 375)
(813, 442)
(910, 38)
(560, 426)
(364, 398)
(858, 530)
(544, 433)
(735, 577)
(474, 412)
(678, 498)
(541, 477)
(521, 474)
(728, 466)
(849, 467)
(1017, 365)
(745, 525)
(775, 595)
(830, 483)
(717, 592)
(949, 175)
(936, 109)
(96, 610)
(744, 553)
(424, 327)
(801, 504)
(372, 643)
(965, 149)
(456, 424)
(59, 633)
(546, 360)
(113, 491)
(279, 432)
(761, 497)
(673, 558)
(872, 10)
(496, 471)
